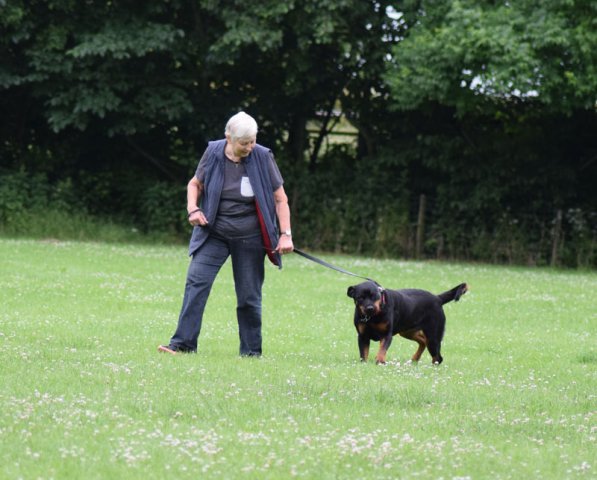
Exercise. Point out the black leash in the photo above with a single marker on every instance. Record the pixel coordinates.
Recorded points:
(329, 265)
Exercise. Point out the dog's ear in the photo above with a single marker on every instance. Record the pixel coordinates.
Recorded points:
(350, 292)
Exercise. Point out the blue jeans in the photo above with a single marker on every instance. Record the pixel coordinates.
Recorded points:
(248, 255)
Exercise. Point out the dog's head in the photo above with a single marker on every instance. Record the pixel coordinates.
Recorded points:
(369, 298)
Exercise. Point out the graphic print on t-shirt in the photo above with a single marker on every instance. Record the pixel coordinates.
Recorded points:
(246, 190)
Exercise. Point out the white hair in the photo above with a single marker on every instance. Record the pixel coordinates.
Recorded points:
(242, 126)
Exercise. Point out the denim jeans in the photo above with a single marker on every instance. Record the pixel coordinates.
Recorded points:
(248, 255)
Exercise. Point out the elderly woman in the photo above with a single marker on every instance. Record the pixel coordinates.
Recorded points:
(237, 205)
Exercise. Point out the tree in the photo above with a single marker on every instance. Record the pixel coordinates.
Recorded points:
(153, 68)
(138, 89)
(475, 55)
(502, 100)
(511, 84)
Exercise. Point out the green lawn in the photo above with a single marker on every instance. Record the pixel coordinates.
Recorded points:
(84, 394)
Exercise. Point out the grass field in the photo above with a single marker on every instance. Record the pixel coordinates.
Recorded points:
(84, 394)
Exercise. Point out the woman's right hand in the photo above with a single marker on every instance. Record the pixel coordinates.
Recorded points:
(198, 219)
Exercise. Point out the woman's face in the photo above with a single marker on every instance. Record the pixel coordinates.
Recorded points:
(242, 147)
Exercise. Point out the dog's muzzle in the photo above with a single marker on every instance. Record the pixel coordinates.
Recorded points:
(367, 313)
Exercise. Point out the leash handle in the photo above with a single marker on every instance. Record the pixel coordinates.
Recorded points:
(329, 265)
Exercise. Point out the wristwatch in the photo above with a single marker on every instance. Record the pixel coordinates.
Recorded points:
(287, 232)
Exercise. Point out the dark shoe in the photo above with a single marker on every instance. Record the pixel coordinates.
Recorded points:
(250, 355)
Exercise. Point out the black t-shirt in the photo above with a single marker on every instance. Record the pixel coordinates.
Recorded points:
(237, 216)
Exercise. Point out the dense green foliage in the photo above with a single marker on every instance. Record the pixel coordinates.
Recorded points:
(477, 56)
(486, 108)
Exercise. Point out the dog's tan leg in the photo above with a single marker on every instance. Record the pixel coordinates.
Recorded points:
(419, 337)
(380, 358)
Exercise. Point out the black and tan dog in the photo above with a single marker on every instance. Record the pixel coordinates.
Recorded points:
(414, 314)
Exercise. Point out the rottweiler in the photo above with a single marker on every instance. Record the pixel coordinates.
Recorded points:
(414, 314)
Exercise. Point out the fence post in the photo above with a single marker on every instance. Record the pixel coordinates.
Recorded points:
(557, 232)
(420, 227)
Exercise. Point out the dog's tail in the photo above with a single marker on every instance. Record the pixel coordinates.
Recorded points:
(453, 294)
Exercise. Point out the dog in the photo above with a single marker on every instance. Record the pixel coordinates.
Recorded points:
(414, 314)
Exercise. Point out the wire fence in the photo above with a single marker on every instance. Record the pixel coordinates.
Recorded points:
(424, 230)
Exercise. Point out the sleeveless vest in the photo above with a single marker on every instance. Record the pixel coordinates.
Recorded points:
(256, 165)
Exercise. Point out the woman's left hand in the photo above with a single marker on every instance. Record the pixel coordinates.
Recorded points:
(285, 245)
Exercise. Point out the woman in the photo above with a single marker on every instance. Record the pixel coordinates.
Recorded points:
(236, 202)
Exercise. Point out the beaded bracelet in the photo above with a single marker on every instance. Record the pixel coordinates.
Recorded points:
(194, 211)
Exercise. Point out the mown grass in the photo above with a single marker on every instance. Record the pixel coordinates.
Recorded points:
(84, 394)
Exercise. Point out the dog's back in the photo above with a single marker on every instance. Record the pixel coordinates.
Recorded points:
(414, 307)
